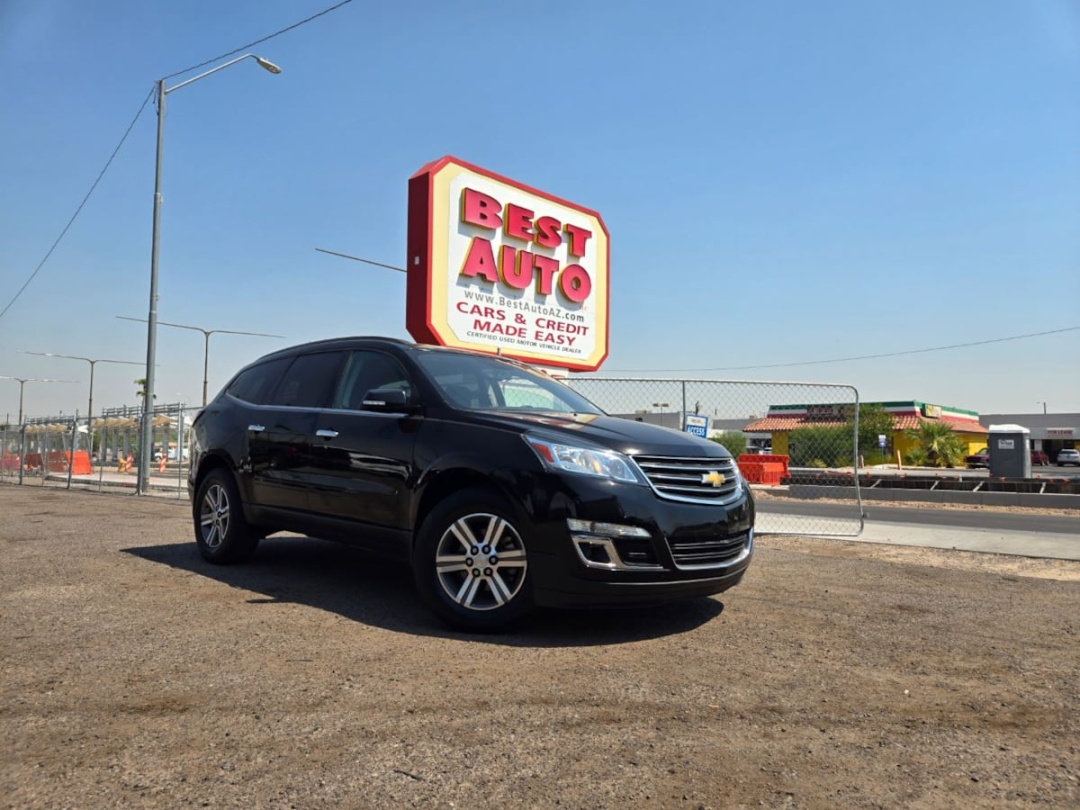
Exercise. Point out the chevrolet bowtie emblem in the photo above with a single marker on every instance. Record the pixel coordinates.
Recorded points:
(713, 479)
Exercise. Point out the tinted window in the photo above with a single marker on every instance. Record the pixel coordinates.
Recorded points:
(255, 384)
(367, 371)
(309, 380)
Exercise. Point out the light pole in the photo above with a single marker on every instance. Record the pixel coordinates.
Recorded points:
(661, 406)
(22, 381)
(93, 362)
(206, 342)
(1044, 407)
(151, 332)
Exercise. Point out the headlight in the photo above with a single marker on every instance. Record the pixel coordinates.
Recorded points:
(585, 460)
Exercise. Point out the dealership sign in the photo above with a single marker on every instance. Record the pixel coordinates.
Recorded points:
(499, 267)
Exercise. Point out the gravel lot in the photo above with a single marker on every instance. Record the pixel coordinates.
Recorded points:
(837, 675)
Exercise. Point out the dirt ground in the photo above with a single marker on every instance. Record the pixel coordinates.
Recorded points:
(837, 675)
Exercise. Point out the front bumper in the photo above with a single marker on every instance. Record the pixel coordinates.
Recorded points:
(669, 564)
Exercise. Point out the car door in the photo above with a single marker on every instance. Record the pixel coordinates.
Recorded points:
(279, 437)
(364, 465)
(250, 392)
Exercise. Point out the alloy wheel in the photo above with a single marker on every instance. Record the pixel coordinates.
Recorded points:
(214, 516)
(480, 561)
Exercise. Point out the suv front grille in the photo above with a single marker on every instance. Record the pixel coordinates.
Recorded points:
(701, 480)
(708, 553)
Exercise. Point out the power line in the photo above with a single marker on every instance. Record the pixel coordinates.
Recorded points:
(131, 126)
(859, 357)
(366, 261)
(101, 174)
(258, 41)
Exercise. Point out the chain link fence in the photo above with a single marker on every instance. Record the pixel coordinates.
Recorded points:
(780, 433)
(100, 453)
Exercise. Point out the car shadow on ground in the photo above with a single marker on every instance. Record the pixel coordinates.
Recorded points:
(368, 589)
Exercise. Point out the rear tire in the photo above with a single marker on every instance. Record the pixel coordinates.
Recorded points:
(221, 532)
(470, 562)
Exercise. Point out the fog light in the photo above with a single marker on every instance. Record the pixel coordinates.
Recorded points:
(595, 552)
(595, 545)
(605, 529)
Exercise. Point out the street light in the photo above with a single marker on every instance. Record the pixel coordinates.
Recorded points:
(661, 406)
(93, 362)
(151, 332)
(1044, 406)
(22, 383)
(206, 344)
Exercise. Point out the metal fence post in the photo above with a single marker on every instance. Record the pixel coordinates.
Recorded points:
(22, 451)
(45, 454)
(180, 452)
(71, 453)
(103, 452)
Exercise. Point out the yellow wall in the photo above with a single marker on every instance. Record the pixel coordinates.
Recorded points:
(779, 444)
(900, 441)
(975, 442)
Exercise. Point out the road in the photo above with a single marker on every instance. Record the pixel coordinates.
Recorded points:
(961, 518)
(1051, 471)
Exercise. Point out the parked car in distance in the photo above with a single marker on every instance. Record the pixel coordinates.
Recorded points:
(1068, 456)
(981, 458)
(500, 486)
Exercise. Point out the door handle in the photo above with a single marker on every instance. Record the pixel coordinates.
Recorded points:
(326, 434)
(256, 428)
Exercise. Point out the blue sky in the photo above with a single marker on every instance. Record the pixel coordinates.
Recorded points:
(783, 181)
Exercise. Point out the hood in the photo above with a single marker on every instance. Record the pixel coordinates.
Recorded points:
(624, 435)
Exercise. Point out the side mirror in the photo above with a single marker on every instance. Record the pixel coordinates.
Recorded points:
(388, 400)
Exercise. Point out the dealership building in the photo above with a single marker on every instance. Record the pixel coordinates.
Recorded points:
(906, 415)
(1050, 432)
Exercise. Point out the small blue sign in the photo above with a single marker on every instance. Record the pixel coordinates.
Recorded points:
(696, 425)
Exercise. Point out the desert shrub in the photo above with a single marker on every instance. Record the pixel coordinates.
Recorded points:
(916, 457)
(734, 441)
(827, 444)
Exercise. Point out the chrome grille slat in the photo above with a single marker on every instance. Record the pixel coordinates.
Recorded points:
(700, 490)
(698, 466)
(708, 553)
(673, 477)
(681, 478)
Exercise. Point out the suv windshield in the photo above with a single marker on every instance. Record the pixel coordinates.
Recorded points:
(479, 383)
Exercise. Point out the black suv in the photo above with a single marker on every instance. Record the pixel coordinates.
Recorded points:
(502, 487)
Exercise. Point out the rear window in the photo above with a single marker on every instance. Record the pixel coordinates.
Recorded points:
(255, 384)
(309, 381)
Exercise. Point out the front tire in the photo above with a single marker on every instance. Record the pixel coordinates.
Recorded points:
(221, 532)
(470, 562)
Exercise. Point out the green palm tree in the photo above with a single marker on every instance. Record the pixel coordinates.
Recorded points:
(943, 448)
(141, 382)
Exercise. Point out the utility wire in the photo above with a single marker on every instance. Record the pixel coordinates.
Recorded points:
(258, 41)
(131, 126)
(101, 174)
(859, 357)
(365, 261)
